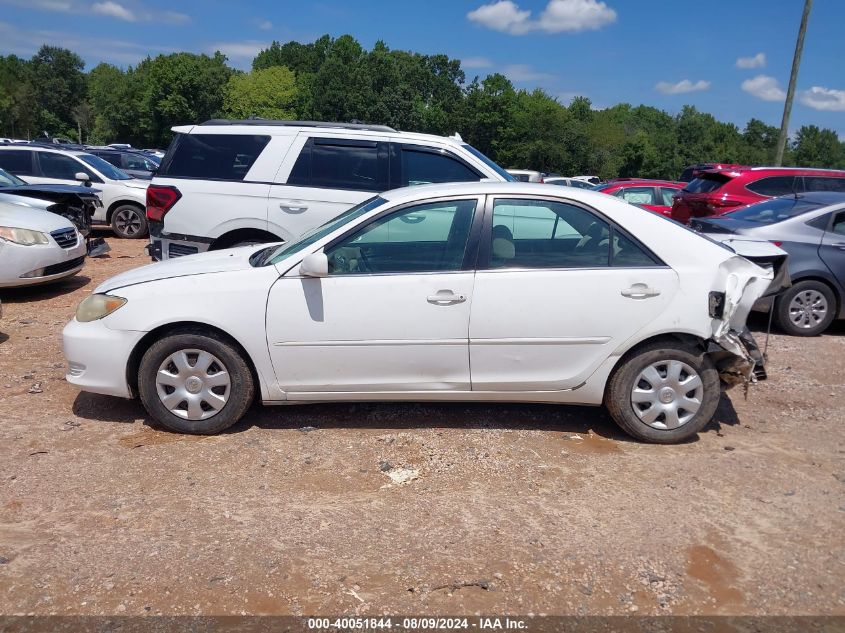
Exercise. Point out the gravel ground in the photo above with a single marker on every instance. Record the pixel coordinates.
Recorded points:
(413, 509)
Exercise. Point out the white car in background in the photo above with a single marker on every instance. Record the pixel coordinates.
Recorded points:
(562, 181)
(477, 291)
(36, 246)
(124, 198)
(526, 175)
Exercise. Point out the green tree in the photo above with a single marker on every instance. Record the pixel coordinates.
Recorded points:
(59, 83)
(816, 147)
(270, 93)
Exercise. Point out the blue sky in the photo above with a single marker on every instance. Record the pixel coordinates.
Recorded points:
(660, 53)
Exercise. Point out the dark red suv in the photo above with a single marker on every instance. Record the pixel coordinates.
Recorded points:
(718, 191)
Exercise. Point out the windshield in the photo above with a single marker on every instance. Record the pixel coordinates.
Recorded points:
(483, 158)
(8, 180)
(274, 256)
(106, 169)
(774, 210)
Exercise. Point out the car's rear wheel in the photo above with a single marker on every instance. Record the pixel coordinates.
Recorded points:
(664, 393)
(194, 382)
(806, 309)
(129, 222)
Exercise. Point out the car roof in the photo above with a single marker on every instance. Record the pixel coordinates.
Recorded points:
(735, 172)
(437, 190)
(264, 126)
(642, 182)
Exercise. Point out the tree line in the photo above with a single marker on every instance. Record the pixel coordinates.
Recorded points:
(336, 79)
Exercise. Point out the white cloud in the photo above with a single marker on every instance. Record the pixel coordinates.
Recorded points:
(682, 87)
(114, 10)
(239, 50)
(764, 87)
(264, 25)
(520, 73)
(476, 62)
(559, 16)
(169, 17)
(757, 61)
(820, 98)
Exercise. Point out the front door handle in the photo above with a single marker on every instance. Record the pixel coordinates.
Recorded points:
(446, 296)
(293, 208)
(640, 291)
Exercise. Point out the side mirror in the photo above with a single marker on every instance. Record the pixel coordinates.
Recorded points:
(82, 177)
(315, 265)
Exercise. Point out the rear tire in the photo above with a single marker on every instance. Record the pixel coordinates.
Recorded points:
(806, 309)
(129, 222)
(195, 382)
(664, 393)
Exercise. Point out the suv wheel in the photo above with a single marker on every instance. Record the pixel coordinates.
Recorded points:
(664, 393)
(129, 222)
(194, 382)
(806, 309)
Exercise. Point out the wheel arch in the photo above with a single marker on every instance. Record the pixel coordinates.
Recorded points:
(240, 235)
(186, 327)
(120, 203)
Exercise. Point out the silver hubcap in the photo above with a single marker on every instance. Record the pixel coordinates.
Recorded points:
(667, 394)
(128, 222)
(193, 384)
(807, 309)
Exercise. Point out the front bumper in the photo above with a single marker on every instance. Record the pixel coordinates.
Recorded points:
(42, 263)
(97, 357)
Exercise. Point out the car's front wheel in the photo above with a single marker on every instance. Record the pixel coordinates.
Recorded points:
(195, 382)
(129, 222)
(664, 393)
(806, 309)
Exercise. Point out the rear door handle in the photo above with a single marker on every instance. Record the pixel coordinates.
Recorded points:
(839, 245)
(640, 291)
(293, 208)
(446, 296)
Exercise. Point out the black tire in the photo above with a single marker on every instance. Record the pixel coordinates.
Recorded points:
(238, 395)
(129, 222)
(619, 393)
(813, 294)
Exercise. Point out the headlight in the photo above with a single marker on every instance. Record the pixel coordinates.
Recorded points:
(98, 306)
(23, 236)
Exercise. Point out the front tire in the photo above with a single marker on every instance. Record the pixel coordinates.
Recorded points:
(806, 309)
(129, 222)
(664, 393)
(195, 382)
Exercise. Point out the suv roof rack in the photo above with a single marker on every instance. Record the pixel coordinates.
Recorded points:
(322, 124)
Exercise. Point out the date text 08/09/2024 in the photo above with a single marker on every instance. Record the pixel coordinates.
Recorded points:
(415, 624)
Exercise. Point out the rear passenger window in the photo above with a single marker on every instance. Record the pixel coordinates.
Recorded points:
(424, 167)
(773, 186)
(339, 164)
(823, 183)
(212, 156)
(18, 162)
(549, 234)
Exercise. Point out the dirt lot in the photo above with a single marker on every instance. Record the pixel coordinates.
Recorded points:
(516, 509)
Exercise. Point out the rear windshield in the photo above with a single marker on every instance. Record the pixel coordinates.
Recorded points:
(774, 210)
(212, 156)
(706, 183)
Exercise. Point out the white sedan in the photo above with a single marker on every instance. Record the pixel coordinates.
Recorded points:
(472, 291)
(36, 246)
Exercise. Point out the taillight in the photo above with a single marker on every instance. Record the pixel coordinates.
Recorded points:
(160, 199)
(776, 243)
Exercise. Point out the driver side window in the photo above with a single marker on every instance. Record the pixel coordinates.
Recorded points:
(428, 237)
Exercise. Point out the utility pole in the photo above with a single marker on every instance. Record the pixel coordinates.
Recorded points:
(793, 76)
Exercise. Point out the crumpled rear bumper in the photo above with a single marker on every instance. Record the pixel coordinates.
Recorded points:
(737, 357)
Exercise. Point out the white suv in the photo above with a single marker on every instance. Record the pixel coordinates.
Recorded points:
(123, 197)
(226, 183)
